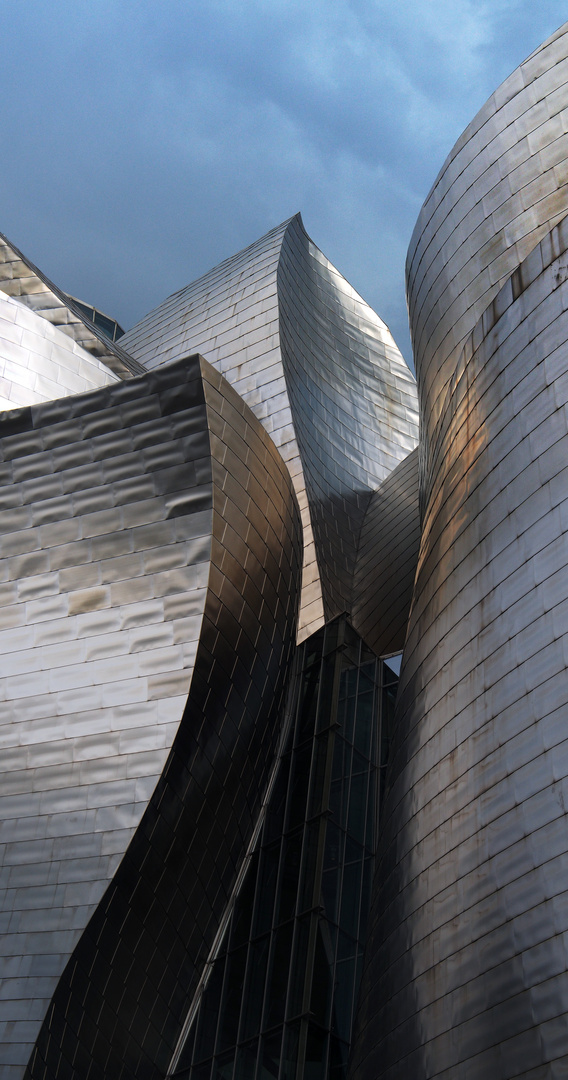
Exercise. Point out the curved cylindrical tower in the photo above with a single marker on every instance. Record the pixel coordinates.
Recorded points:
(467, 965)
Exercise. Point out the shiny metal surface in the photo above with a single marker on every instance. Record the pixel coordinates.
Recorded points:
(498, 194)
(320, 371)
(22, 280)
(467, 970)
(103, 594)
(387, 555)
(151, 549)
(39, 363)
(352, 399)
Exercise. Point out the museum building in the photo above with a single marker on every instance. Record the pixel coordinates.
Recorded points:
(284, 693)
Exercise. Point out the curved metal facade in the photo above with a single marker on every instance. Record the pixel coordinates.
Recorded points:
(152, 549)
(39, 363)
(321, 372)
(467, 967)
(387, 555)
(499, 192)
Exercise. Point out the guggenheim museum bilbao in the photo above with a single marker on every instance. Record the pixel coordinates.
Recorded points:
(284, 689)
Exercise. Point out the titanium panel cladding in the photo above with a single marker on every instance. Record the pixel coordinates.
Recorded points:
(500, 191)
(106, 532)
(468, 963)
(120, 1005)
(22, 280)
(38, 362)
(320, 371)
(387, 555)
(353, 403)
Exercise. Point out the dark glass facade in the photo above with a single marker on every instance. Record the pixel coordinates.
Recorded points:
(280, 998)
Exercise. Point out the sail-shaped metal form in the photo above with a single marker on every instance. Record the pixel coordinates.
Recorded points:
(322, 373)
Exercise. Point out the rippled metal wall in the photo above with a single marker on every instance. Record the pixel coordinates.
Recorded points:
(467, 971)
(500, 191)
(318, 368)
(387, 555)
(129, 545)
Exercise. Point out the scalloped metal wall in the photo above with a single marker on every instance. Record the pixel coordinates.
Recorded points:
(140, 565)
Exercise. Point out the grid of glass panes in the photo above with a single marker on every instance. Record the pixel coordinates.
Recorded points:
(280, 1000)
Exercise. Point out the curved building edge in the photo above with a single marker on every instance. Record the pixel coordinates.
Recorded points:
(467, 968)
(498, 194)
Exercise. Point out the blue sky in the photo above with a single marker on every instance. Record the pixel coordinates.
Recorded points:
(143, 142)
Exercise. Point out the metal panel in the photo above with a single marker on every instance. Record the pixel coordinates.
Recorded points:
(386, 560)
(21, 279)
(119, 1006)
(95, 670)
(318, 368)
(467, 972)
(497, 195)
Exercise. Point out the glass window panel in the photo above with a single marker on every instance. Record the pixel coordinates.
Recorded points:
(316, 1054)
(266, 889)
(253, 997)
(274, 824)
(368, 869)
(307, 706)
(322, 980)
(209, 1012)
(341, 758)
(298, 969)
(309, 864)
(299, 786)
(240, 929)
(269, 1064)
(290, 1052)
(364, 721)
(330, 892)
(232, 998)
(357, 818)
(223, 1066)
(325, 717)
(334, 844)
(338, 1057)
(350, 898)
(343, 998)
(245, 1062)
(201, 1072)
(319, 762)
(289, 877)
(278, 979)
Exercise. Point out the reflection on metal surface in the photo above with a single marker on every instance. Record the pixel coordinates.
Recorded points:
(322, 373)
(386, 560)
(499, 192)
(283, 987)
(152, 549)
(39, 363)
(22, 280)
(467, 965)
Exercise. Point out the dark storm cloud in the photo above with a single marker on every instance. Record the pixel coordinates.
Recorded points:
(143, 142)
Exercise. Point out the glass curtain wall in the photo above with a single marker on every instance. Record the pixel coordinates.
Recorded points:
(280, 998)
